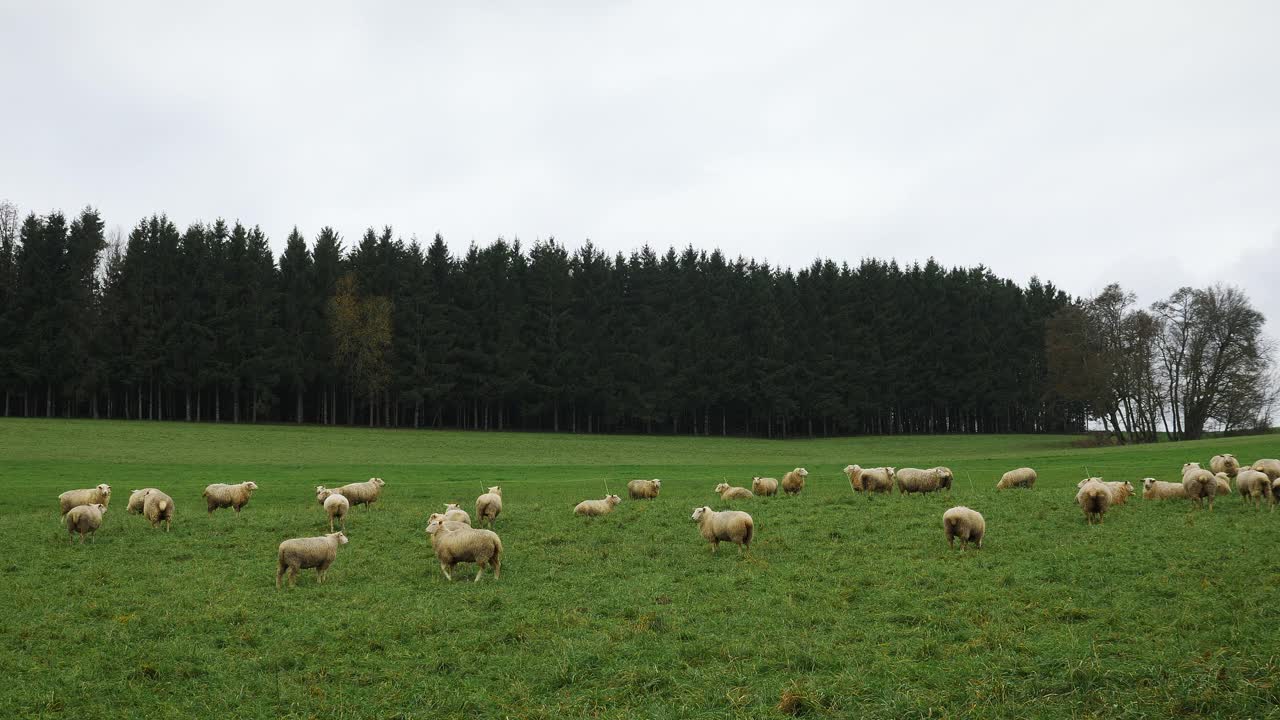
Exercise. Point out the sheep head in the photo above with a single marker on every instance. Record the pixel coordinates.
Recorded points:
(699, 512)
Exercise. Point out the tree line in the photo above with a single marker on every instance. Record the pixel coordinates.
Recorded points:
(206, 324)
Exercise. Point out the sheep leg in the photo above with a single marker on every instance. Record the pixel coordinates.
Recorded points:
(444, 568)
(479, 571)
(715, 545)
(279, 575)
(496, 564)
(293, 576)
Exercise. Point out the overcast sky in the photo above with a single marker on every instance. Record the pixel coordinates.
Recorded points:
(1083, 142)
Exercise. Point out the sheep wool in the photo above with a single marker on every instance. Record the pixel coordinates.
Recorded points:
(592, 508)
(725, 526)
(100, 495)
(336, 507)
(854, 473)
(454, 513)
(945, 477)
(1199, 484)
(304, 553)
(1225, 463)
(878, 480)
(1254, 486)
(1153, 489)
(793, 482)
(1094, 498)
(729, 492)
(456, 543)
(1269, 467)
(489, 506)
(961, 522)
(1121, 491)
(362, 493)
(136, 500)
(915, 480)
(158, 508)
(1023, 477)
(764, 486)
(85, 520)
(235, 497)
(1222, 483)
(644, 489)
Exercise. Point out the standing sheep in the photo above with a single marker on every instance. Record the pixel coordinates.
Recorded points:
(1094, 498)
(961, 522)
(764, 486)
(100, 495)
(336, 507)
(878, 480)
(362, 493)
(644, 489)
(219, 495)
(489, 506)
(592, 508)
(729, 492)
(456, 543)
(137, 498)
(1271, 468)
(1254, 485)
(453, 512)
(914, 480)
(1121, 491)
(1199, 484)
(84, 519)
(854, 473)
(1153, 489)
(158, 508)
(312, 552)
(729, 525)
(793, 482)
(1023, 477)
(945, 477)
(1222, 483)
(1225, 463)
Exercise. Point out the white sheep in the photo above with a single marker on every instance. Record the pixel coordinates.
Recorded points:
(1199, 484)
(489, 506)
(219, 495)
(1094, 498)
(644, 489)
(1023, 477)
(1153, 489)
(100, 495)
(336, 507)
(311, 552)
(137, 498)
(854, 473)
(729, 492)
(454, 513)
(456, 543)
(878, 480)
(961, 522)
(728, 525)
(592, 508)
(1120, 490)
(1224, 463)
(764, 486)
(915, 480)
(945, 476)
(1269, 467)
(362, 493)
(158, 507)
(1254, 485)
(1222, 483)
(793, 482)
(84, 519)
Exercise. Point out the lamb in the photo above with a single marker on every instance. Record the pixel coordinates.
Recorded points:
(336, 507)
(1023, 477)
(961, 522)
(591, 508)
(793, 482)
(1223, 483)
(100, 495)
(362, 493)
(1094, 499)
(136, 500)
(728, 525)
(1199, 484)
(878, 480)
(1153, 489)
(219, 495)
(1254, 485)
(729, 492)
(454, 513)
(489, 506)
(1225, 463)
(84, 519)
(158, 508)
(764, 486)
(914, 480)
(455, 543)
(312, 552)
(1269, 467)
(644, 489)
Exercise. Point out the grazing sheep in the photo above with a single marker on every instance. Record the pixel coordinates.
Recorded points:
(914, 480)
(453, 512)
(449, 524)
(729, 492)
(1223, 483)
(878, 480)
(1254, 485)
(854, 473)
(1225, 463)
(489, 506)
(793, 482)
(728, 525)
(1153, 489)
(1271, 468)
(946, 478)
(1023, 477)
(100, 495)
(1120, 491)
(323, 493)
(84, 519)
(1199, 484)
(591, 508)
(362, 493)
(1094, 499)
(136, 500)
(336, 507)
(961, 522)
(455, 543)
(311, 552)
(219, 495)
(644, 489)
(159, 508)
(764, 486)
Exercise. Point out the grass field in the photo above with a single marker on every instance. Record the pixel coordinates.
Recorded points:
(845, 607)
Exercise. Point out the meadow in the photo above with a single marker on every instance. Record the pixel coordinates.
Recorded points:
(845, 607)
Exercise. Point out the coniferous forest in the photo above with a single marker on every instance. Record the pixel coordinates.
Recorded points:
(206, 324)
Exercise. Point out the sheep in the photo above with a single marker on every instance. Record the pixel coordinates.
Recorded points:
(454, 543)
(914, 480)
(728, 525)
(793, 482)
(1153, 489)
(945, 477)
(235, 497)
(1199, 484)
(878, 480)
(1225, 463)
(729, 492)
(854, 473)
(961, 522)
(311, 552)
(137, 498)
(1094, 498)
(1023, 477)
(1254, 485)
(489, 506)
(84, 519)
(336, 507)
(323, 493)
(454, 513)
(764, 486)
(644, 489)
(449, 524)
(1271, 468)
(157, 508)
(1120, 491)
(362, 493)
(100, 495)
(591, 508)
(1223, 483)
